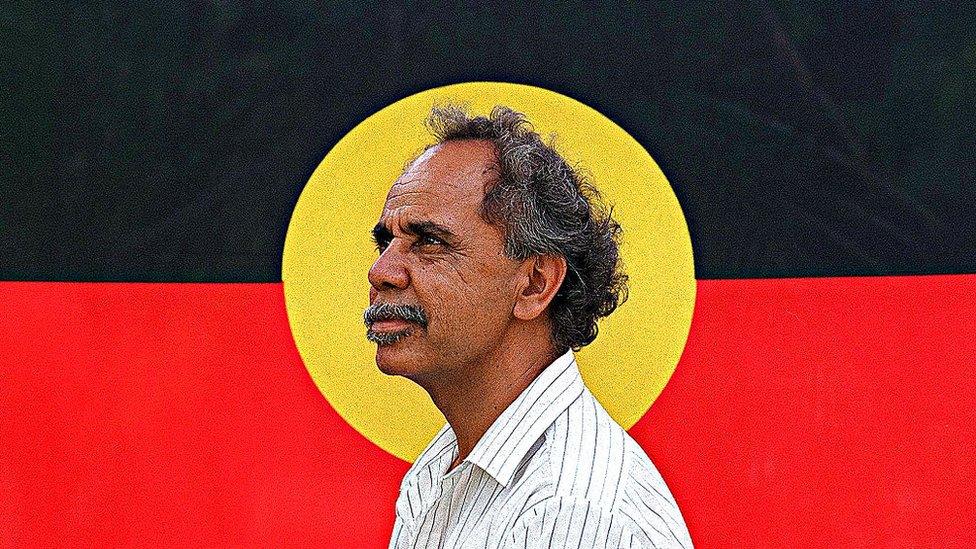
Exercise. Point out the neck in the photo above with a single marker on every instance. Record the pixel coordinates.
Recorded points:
(482, 390)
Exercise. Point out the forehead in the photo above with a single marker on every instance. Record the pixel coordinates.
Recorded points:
(450, 178)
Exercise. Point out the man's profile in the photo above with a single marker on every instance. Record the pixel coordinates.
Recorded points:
(496, 259)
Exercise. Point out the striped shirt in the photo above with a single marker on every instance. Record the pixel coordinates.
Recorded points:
(554, 470)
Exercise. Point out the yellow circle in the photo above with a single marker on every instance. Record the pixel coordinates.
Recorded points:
(328, 253)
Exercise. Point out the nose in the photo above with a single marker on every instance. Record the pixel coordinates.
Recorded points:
(389, 271)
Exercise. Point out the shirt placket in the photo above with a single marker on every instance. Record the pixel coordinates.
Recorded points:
(451, 502)
(433, 520)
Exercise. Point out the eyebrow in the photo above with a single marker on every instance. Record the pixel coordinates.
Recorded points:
(416, 228)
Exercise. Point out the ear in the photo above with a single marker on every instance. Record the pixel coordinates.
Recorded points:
(542, 276)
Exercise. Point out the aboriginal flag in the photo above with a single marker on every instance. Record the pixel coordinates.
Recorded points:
(152, 153)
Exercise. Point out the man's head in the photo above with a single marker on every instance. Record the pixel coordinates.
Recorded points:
(487, 234)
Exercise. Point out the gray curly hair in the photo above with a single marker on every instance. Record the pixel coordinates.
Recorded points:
(546, 207)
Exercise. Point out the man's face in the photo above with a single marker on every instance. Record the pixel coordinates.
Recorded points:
(437, 254)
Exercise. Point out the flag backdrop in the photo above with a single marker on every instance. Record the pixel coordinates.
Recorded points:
(150, 388)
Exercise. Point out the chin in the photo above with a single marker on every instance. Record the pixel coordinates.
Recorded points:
(399, 359)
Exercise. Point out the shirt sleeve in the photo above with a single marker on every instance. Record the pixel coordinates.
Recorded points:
(400, 537)
(567, 523)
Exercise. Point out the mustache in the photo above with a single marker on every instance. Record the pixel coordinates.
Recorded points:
(394, 311)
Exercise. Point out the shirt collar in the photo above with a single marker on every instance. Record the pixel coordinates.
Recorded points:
(512, 435)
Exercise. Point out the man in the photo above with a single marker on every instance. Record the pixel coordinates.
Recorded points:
(495, 261)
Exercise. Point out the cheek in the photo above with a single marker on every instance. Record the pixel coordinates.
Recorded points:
(468, 293)
(443, 287)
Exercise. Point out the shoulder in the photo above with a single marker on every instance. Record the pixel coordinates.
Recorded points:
(592, 458)
(646, 499)
(601, 474)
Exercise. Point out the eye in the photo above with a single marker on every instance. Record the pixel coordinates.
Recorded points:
(381, 244)
(428, 240)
